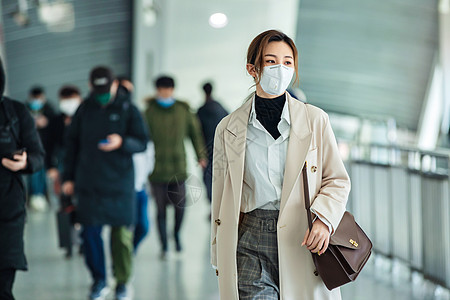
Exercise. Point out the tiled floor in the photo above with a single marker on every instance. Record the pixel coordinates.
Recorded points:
(182, 277)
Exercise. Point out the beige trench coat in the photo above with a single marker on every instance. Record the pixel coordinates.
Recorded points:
(312, 140)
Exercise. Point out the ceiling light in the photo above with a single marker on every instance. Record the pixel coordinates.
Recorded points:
(58, 16)
(444, 6)
(218, 20)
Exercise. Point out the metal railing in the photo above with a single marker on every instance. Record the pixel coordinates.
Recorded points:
(400, 197)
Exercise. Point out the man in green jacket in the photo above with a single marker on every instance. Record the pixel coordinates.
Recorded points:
(169, 122)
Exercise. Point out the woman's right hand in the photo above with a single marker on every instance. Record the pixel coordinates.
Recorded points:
(318, 239)
(68, 188)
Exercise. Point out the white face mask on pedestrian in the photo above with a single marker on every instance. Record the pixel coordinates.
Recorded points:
(276, 79)
(69, 106)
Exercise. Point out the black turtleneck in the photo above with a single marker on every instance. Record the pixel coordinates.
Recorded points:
(268, 112)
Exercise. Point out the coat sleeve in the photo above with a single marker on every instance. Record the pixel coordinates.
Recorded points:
(136, 137)
(54, 140)
(218, 179)
(30, 139)
(72, 145)
(332, 197)
(196, 135)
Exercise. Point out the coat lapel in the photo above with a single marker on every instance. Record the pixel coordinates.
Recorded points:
(299, 142)
(235, 142)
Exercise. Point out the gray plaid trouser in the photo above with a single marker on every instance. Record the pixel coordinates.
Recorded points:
(257, 256)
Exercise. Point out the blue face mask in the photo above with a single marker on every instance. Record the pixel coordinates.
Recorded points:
(165, 102)
(36, 104)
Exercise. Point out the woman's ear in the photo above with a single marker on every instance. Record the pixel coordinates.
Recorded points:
(251, 70)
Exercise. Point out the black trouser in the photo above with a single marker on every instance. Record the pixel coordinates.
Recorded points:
(6, 284)
(165, 194)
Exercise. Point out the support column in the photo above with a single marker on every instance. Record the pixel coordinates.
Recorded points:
(149, 45)
(444, 48)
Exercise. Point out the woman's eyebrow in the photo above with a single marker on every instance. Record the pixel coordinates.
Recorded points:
(273, 55)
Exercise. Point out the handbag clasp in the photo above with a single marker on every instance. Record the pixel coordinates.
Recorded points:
(354, 243)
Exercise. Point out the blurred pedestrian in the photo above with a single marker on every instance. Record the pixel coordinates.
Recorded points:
(169, 122)
(21, 152)
(105, 131)
(69, 101)
(42, 113)
(144, 163)
(210, 114)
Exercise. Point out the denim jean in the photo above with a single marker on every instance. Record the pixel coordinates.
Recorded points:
(142, 223)
(121, 251)
(38, 183)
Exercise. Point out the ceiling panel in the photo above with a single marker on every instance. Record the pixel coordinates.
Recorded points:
(369, 58)
(102, 35)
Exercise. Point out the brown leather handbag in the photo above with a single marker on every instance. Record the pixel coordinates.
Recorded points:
(347, 253)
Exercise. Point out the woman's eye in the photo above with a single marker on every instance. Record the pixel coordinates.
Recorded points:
(270, 61)
(288, 63)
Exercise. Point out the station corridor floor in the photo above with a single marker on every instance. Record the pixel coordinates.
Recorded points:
(185, 276)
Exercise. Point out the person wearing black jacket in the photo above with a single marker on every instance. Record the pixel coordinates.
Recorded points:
(105, 131)
(69, 101)
(42, 113)
(210, 114)
(17, 132)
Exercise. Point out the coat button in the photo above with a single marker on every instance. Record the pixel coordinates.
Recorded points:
(217, 222)
(217, 272)
(314, 169)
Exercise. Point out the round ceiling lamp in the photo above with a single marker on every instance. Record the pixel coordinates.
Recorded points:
(218, 20)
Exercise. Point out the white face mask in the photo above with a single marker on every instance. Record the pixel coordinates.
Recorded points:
(276, 79)
(69, 106)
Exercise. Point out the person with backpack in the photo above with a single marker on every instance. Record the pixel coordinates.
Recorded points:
(98, 168)
(21, 152)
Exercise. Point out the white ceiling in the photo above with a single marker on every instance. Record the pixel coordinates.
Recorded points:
(183, 45)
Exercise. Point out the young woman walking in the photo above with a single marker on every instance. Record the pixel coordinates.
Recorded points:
(260, 243)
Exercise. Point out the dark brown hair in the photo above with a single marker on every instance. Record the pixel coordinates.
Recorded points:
(256, 50)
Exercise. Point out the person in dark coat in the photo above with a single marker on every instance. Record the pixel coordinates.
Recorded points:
(42, 113)
(105, 131)
(69, 101)
(209, 115)
(17, 131)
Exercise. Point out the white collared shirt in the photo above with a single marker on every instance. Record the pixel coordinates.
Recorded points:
(265, 160)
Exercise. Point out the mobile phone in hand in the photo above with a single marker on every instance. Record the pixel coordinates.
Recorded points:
(103, 142)
(17, 152)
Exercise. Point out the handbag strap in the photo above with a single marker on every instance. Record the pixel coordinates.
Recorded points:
(306, 192)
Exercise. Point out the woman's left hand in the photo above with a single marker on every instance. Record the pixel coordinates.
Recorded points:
(317, 241)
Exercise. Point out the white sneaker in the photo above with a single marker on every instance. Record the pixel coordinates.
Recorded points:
(99, 290)
(123, 292)
(38, 203)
